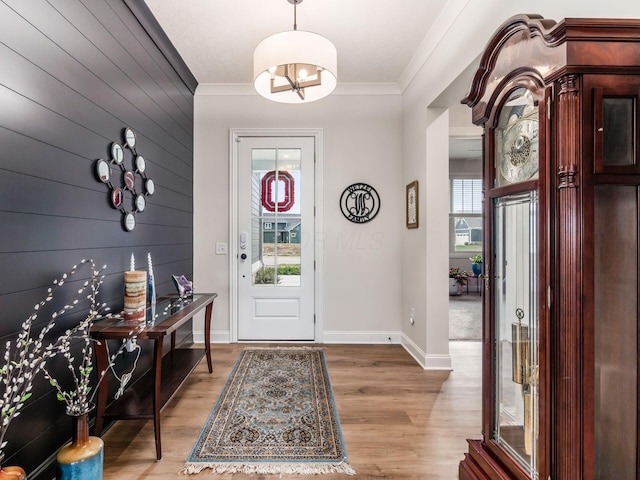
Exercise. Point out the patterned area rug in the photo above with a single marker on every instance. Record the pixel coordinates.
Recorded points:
(276, 414)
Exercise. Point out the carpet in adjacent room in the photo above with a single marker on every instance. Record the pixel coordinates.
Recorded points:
(465, 317)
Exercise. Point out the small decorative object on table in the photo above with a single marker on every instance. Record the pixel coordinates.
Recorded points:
(135, 294)
(476, 265)
(184, 286)
(151, 291)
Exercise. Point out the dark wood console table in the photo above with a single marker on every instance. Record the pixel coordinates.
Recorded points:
(168, 372)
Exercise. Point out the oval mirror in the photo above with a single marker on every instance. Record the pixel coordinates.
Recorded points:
(141, 202)
(117, 154)
(150, 186)
(140, 163)
(130, 137)
(117, 197)
(103, 170)
(129, 222)
(129, 180)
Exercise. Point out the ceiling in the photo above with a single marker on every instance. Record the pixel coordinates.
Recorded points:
(376, 40)
(465, 148)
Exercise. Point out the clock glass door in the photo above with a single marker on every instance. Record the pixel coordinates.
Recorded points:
(516, 326)
(515, 321)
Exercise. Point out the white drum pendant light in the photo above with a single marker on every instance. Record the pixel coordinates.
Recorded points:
(295, 66)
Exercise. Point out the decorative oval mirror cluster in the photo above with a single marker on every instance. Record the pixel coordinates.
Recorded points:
(129, 177)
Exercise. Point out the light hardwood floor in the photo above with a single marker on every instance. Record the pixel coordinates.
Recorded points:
(398, 420)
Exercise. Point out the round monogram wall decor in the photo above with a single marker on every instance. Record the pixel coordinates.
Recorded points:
(128, 177)
(360, 203)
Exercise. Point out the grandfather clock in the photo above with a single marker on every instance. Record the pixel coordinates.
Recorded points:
(559, 103)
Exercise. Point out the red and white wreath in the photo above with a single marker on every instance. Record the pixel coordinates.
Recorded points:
(268, 198)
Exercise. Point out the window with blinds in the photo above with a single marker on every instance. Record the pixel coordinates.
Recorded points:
(465, 217)
(466, 195)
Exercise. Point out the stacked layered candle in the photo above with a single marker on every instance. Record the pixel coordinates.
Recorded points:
(135, 296)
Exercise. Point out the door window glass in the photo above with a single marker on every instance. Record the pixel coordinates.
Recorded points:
(276, 216)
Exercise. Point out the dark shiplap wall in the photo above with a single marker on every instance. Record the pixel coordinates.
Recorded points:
(73, 74)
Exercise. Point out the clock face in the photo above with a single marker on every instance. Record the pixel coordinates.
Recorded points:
(517, 139)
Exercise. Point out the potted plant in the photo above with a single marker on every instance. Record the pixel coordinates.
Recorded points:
(476, 264)
(457, 278)
(83, 456)
(27, 356)
(24, 358)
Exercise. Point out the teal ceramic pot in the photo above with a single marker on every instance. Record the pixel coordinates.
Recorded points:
(82, 459)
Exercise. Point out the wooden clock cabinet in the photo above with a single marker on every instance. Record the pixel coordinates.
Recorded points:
(559, 104)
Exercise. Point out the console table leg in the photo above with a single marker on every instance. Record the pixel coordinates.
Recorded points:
(207, 335)
(157, 361)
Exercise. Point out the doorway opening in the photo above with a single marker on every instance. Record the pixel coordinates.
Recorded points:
(465, 237)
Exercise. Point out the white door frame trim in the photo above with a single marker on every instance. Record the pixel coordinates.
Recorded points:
(234, 134)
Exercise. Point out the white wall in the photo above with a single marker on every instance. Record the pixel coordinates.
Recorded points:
(424, 293)
(362, 143)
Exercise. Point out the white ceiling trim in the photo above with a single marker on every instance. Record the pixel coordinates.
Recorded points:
(367, 89)
(246, 89)
(226, 89)
(450, 13)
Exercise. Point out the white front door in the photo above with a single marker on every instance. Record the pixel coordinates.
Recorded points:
(275, 264)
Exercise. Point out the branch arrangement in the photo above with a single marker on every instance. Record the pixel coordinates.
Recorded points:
(27, 355)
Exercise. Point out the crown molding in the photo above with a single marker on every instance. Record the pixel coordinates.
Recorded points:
(368, 89)
(450, 12)
(246, 89)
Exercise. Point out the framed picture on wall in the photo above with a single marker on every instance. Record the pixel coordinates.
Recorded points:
(412, 205)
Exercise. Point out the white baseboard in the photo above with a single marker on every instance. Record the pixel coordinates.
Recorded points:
(361, 337)
(224, 336)
(426, 361)
(217, 336)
